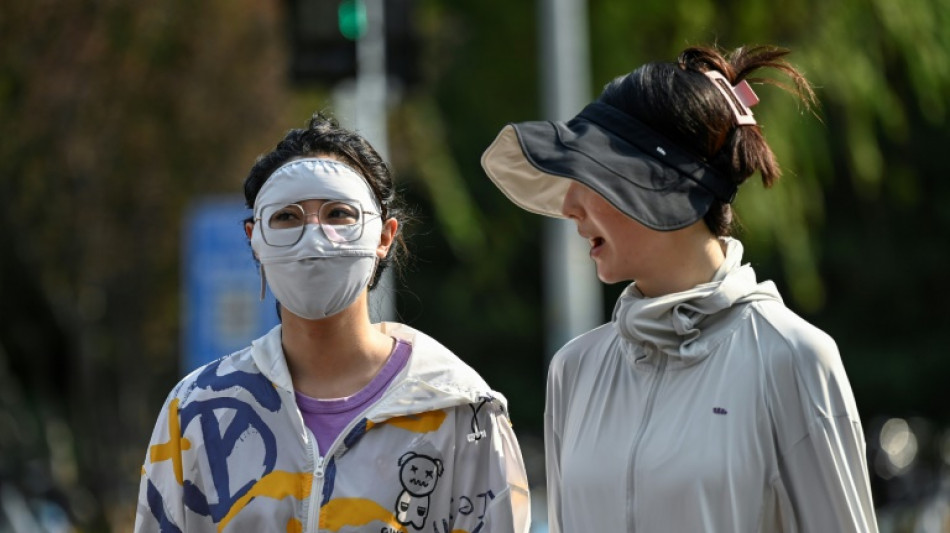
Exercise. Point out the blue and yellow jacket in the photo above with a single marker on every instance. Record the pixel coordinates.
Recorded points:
(436, 452)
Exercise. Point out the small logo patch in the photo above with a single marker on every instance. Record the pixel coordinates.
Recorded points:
(720, 411)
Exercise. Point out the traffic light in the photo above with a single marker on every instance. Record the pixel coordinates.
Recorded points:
(323, 35)
(351, 19)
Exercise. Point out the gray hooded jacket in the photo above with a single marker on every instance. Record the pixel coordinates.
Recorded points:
(716, 409)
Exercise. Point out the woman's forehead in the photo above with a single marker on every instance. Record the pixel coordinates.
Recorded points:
(306, 179)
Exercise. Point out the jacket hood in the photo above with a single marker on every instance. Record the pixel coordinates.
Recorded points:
(434, 377)
(687, 325)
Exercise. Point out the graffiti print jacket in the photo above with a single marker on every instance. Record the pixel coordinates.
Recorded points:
(715, 409)
(436, 453)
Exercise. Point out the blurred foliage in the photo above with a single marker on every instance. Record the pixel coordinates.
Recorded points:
(876, 66)
(114, 115)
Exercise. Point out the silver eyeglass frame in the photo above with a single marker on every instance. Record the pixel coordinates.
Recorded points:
(364, 217)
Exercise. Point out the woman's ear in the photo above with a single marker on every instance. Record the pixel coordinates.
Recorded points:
(249, 230)
(386, 237)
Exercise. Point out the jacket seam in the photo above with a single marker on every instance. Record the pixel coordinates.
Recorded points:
(811, 425)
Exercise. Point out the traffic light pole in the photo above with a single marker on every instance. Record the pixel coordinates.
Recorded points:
(573, 297)
(371, 78)
(371, 113)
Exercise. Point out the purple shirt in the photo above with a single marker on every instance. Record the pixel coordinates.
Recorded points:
(327, 418)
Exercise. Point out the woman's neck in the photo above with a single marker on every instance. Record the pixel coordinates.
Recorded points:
(693, 259)
(336, 356)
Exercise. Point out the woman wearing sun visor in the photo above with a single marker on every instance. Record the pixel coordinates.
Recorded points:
(705, 404)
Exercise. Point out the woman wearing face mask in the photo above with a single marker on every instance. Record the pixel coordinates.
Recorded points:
(330, 422)
(705, 404)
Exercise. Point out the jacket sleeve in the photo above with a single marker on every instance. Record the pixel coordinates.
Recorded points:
(492, 495)
(821, 449)
(160, 507)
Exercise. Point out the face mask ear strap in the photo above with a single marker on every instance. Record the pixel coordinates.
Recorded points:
(372, 276)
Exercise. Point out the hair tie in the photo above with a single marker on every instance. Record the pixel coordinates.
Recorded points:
(740, 97)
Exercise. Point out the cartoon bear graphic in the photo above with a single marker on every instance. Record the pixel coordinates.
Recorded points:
(418, 475)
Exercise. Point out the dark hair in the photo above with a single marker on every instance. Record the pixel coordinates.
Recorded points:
(680, 102)
(323, 136)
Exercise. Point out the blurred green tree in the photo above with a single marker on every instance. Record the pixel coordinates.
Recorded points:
(113, 115)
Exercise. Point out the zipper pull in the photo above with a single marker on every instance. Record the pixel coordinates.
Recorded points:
(318, 468)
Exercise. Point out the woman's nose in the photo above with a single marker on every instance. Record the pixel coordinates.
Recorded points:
(570, 208)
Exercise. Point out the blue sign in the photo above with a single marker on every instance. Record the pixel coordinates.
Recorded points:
(222, 310)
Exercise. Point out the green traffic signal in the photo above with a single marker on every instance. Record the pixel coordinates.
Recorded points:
(351, 16)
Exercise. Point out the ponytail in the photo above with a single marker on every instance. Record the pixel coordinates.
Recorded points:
(680, 102)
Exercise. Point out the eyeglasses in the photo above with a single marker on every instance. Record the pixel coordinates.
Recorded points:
(340, 220)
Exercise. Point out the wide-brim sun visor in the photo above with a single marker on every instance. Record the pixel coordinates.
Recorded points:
(637, 170)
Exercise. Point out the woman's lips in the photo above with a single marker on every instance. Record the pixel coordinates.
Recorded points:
(596, 245)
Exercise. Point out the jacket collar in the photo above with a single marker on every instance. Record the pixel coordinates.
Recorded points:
(434, 377)
(687, 325)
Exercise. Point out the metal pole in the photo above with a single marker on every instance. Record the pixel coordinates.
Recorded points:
(573, 295)
(371, 78)
(370, 112)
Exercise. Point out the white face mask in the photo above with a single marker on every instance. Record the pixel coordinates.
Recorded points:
(316, 277)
